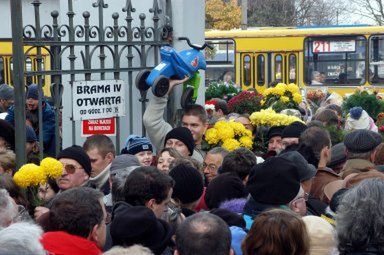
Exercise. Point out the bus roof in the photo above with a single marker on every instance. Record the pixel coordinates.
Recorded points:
(295, 31)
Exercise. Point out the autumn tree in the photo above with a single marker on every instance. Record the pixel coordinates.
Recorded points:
(222, 15)
(370, 9)
(294, 12)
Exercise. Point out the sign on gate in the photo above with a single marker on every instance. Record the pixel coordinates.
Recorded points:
(98, 99)
(100, 126)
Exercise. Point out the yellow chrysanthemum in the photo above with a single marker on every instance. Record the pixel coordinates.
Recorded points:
(268, 92)
(284, 99)
(262, 102)
(52, 167)
(246, 142)
(211, 136)
(224, 130)
(280, 89)
(297, 98)
(293, 88)
(238, 128)
(29, 175)
(271, 118)
(231, 144)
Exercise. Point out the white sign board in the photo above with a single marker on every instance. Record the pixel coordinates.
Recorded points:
(98, 99)
(334, 46)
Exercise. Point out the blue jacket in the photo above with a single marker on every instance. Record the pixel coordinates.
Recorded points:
(48, 126)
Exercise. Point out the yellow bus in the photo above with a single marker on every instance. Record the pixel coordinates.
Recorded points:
(6, 65)
(338, 58)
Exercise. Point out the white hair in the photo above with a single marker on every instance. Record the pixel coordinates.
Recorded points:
(8, 210)
(22, 239)
(132, 250)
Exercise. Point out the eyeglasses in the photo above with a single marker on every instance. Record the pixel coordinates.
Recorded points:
(71, 169)
(210, 167)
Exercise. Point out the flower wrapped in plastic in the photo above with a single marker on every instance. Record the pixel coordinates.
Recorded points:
(270, 118)
(229, 135)
(281, 97)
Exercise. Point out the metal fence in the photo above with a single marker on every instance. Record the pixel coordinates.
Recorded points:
(120, 41)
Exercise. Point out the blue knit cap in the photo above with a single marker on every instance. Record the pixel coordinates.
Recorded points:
(136, 144)
(33, 92)
(356, 112)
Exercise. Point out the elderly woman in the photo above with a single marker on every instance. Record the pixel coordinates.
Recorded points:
(359, 219)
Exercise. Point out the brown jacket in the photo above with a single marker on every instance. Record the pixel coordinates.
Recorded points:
(322, 178)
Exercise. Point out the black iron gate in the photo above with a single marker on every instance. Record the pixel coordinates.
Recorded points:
(119, 41)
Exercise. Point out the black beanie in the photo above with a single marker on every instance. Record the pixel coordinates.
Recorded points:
(231, 218)
(224, 187)
(189, 185)
(275, 182)
(275, 131)
(184, 135)
(293, 130)
(7, 132)
(78, 154)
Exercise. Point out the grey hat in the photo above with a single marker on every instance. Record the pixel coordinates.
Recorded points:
(361, 141)
(338, 155)
(306, 171)
(6, 92)
(124, 163)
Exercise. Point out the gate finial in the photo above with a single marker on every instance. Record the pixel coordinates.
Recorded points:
(128, 7)
(100, 3)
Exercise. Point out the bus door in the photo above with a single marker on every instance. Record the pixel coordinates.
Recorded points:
(283, 67)
(253, 71)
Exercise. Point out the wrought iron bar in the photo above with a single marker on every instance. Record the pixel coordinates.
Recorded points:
(18, 78)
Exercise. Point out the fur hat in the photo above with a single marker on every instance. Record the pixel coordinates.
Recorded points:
(274, 182)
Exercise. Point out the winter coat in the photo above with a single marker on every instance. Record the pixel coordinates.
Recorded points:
(62, 243)
(48, 126)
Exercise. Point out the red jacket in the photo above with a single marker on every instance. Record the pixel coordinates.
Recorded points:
(62, 243)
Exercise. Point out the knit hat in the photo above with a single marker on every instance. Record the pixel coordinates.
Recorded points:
(124, 163)
(189, 185)
(33, 92)
(359, 119)
(139, 225)
(6, 92)
(321, 235)
(232, 219)
(306, 171)
(361, 141)
(136, 144)
(30, 134)
(184, 135)
(78, 154)
(7, 132)
(275, 131)
(224, 187)
(338, 155)
(293, 130)
(274, 182)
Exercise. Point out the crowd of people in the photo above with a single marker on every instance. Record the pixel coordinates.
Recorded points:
(304, 195)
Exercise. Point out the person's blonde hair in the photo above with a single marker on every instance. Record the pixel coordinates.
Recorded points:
(8, 160)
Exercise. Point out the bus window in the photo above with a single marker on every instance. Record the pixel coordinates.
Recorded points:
(334, 60)
(376, 60)
(260, 70)
(278, 68)
(220, 61)
(2, 72)
(292, 68)
(247, 80)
